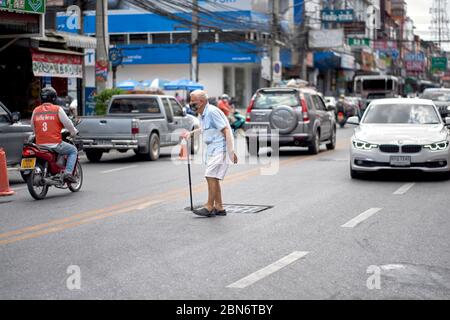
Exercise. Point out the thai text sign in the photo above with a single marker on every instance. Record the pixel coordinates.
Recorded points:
(26, 6)
(415, 61)
(56, 65)
(337, 15)
(438, 64)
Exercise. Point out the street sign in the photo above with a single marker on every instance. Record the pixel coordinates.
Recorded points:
(115, 56)
(24, 6)
(346, 15)
(438, 64)
(265, 68)
(358, 42)
(277, 70)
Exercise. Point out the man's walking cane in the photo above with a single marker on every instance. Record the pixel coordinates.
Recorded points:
(185, 155)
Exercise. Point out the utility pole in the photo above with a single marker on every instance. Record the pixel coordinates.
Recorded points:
(303, 44)
(274, 47)
(81, 83)
(194, 41)
(101, 54)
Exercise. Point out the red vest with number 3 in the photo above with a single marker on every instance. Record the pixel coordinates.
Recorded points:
(47, 125)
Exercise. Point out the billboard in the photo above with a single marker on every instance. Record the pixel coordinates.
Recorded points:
(326, 38)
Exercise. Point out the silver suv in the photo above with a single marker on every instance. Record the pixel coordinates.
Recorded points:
(299, 114)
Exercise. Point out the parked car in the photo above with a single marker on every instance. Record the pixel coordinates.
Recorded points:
(400, 133)
(13, 134)
(440, 97)
(140, 122)
(298, 114)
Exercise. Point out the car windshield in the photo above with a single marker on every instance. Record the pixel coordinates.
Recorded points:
(402, 114)
(437, 95)
(268, 100)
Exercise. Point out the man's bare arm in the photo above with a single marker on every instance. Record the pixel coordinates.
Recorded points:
(230, 144)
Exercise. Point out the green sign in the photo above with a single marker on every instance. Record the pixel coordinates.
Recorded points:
(359, 42)
(438, 64)
(25, 6)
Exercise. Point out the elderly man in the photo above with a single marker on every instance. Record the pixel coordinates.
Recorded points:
(218, 137)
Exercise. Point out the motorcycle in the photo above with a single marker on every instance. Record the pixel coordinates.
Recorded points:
(344, 110)
(237, 122)
(44, 167)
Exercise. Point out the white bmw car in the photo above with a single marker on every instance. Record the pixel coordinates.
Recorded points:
(400, 134)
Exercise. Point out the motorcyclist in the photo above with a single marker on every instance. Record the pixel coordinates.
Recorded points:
(47, 122)
(224, 104)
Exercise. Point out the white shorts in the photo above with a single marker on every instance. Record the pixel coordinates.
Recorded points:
(216, 166)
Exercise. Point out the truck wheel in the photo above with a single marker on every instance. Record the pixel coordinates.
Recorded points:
(94, 155)
(153, 148)
(253, 149)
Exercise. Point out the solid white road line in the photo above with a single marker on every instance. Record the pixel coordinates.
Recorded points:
(403, 189)
(118, 169)
(363, 216)
(264, 272)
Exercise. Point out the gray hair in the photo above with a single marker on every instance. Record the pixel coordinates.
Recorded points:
(200, 94)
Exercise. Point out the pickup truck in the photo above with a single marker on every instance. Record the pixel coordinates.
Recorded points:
(140, 122)
(13, 134)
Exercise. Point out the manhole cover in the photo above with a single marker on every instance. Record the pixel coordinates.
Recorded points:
(239, 208)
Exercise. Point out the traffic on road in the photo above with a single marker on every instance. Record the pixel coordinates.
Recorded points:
(224, 155)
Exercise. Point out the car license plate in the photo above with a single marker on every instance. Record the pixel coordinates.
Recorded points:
(28, 164)
(400, 161)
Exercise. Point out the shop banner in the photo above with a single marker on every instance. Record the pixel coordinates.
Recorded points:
(56, 65)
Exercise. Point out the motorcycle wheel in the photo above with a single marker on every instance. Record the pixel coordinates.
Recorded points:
(35, 182)
(78, 174)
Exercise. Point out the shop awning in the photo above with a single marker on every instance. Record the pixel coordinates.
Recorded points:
(79, 41)
(69, 39)
(324, 60)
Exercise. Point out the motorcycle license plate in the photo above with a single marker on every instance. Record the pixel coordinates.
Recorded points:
(28, 164)
(400, 161)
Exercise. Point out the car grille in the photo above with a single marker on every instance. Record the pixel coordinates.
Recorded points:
(389, 148)
(411, 148)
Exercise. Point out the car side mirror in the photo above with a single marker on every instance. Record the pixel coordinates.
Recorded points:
(353, 120)
(184, 113)
(15, 117)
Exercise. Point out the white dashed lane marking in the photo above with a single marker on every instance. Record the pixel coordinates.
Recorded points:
(403, 189)
(118, 169)
(363, 216)
(264, 272)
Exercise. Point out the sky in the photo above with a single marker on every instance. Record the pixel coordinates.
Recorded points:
(419, 12)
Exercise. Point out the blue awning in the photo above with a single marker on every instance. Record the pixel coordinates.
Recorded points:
(325, 60)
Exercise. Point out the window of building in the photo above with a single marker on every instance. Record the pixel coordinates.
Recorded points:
(139, 38)
(206, 37)
(117, 39)
(232, 36)
(161, 38)
(181, 37)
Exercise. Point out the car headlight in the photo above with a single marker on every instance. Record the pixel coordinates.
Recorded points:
(437, 146)
(364, 145)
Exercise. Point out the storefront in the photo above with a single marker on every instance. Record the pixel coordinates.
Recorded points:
(27, 65)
